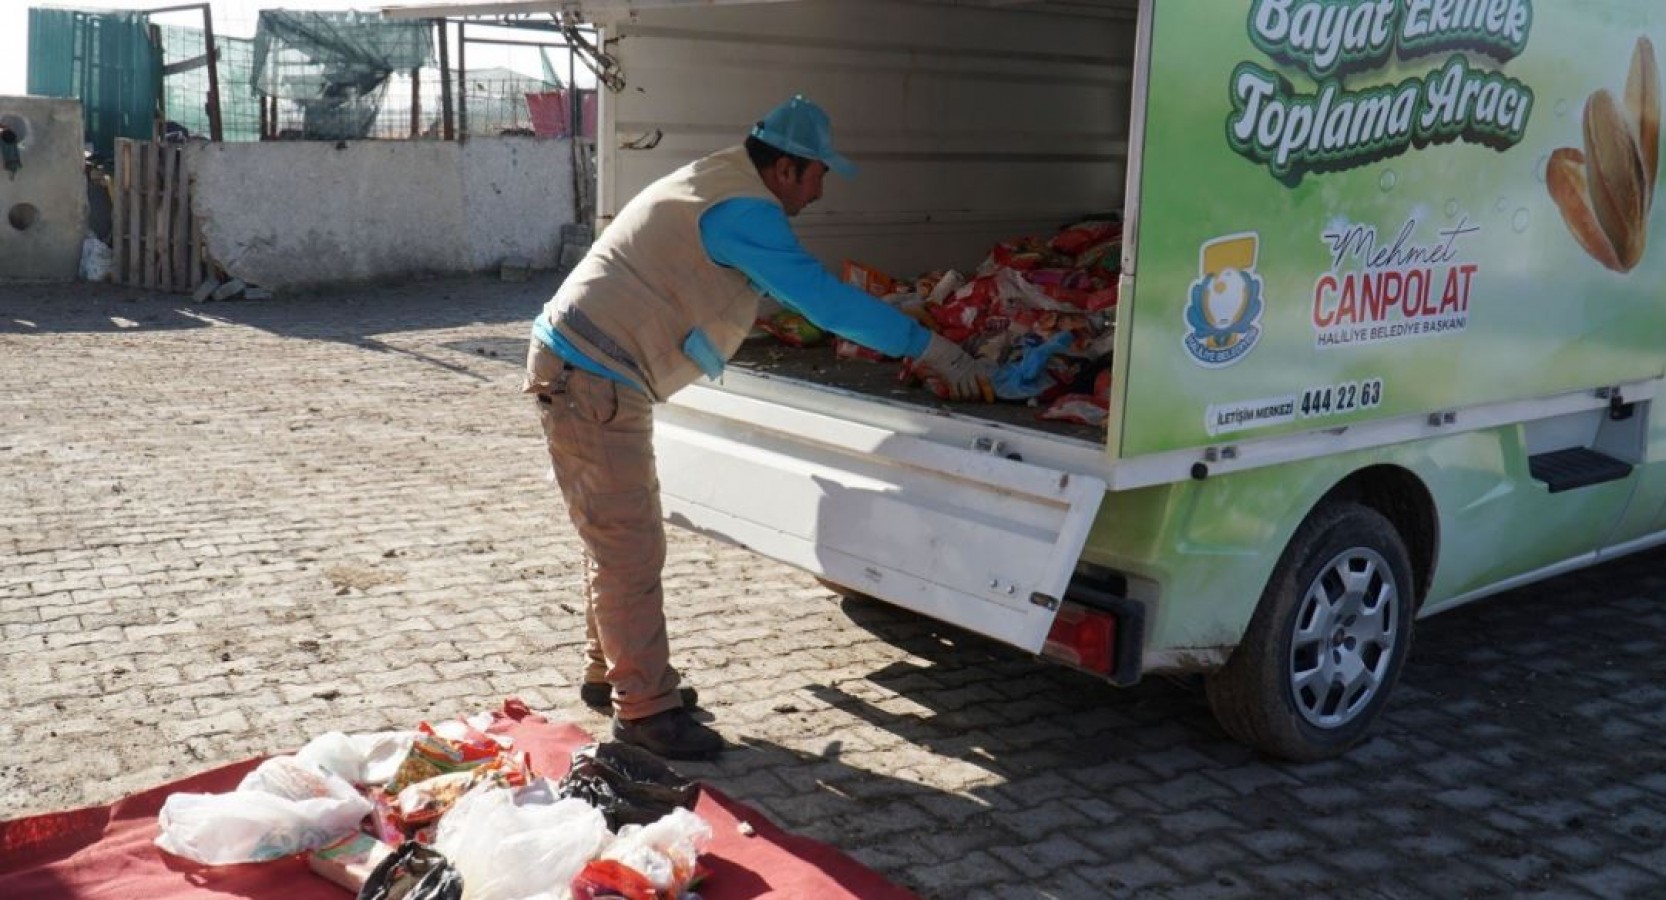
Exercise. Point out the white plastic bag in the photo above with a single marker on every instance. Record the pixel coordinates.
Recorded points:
(663, 851)
(96, 259)
(284, 806)
(509, 850)
(359, 758)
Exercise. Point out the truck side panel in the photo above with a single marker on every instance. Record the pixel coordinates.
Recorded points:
(970, 126)
(1335, 235)
(1203, 550)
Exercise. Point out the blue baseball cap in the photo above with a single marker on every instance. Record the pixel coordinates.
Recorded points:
(803, 129)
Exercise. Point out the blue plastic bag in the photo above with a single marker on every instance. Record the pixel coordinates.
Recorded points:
(1027, 376)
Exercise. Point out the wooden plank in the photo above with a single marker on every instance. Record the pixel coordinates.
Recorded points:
(165, 213)
(182, 222)
(135, 213)
(158, 217)
(216, 132)
(130, 220)
(147, 203)
(164, 219)
(118, 214)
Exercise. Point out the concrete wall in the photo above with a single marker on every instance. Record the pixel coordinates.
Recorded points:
(43, 208)
(293, 214)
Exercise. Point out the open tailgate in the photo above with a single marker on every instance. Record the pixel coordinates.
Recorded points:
(960, 535)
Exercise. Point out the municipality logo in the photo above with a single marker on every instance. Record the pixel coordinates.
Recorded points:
(1223, 314)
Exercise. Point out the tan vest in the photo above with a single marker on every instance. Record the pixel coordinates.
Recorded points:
(647, 282)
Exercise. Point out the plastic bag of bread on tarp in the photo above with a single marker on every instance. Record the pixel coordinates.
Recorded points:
(515, 843)
(628, 784)
(657, 861)
(284, 806)
(421, 804)
(413, 871)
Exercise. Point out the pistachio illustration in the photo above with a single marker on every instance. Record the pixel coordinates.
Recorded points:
(1605, 192)
(1566, 178)
(1643, 107)
(1614, 173)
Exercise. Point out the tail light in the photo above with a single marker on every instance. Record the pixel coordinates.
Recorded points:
(1084, 638)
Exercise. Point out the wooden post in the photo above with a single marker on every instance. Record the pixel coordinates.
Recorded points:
(416, 101)
(158, 112)
(162, 220)
(182, 221)
(575, 105)
(212, 106)
(158, 216)
(135, 213)
(143, 221)
(446, 130)
(118, 212)
(215, 132)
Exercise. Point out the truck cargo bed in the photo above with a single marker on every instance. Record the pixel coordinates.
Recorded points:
(819, 365)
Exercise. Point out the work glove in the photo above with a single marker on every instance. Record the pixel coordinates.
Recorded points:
(960, 376)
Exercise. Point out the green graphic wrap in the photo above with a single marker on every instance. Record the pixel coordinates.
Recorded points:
(1359, 209)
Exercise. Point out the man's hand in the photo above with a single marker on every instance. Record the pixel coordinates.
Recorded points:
(958, 372)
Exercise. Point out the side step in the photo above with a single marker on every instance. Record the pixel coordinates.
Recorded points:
(1576, 467)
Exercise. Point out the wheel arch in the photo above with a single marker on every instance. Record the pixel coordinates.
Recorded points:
(1401, 497)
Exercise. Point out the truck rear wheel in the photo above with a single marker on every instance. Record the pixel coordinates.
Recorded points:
(1327, 641)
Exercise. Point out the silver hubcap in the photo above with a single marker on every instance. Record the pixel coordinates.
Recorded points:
(1344, 638)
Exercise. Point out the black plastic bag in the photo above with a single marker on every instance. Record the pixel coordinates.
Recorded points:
(414, 871)
(628, 784)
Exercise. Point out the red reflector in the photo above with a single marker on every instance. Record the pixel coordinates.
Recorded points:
(1083, 637)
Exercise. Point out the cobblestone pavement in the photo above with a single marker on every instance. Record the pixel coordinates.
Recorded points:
(227, 528)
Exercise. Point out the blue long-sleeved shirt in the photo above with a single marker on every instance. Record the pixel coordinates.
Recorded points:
(754, 237)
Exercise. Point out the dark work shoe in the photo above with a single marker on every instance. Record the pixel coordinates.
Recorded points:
(672, 734)
(599, 695)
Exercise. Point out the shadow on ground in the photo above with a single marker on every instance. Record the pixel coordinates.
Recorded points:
(349, 314)
(1518, 754)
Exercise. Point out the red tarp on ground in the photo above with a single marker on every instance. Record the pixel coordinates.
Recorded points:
(107, 851)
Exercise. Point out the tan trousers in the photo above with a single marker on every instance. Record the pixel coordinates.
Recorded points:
(600, 438)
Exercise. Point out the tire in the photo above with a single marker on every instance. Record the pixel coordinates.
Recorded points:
(1327, 641)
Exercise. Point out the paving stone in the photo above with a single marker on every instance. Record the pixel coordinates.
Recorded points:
(1140, 876)
(1198, 858)
(1271, 843)
(1619, 880)
(1216, 887)
(348, 529)
(971, 873)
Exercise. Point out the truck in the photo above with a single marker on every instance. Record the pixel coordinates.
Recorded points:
(1387, 339)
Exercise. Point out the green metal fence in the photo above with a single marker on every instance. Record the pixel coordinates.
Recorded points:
(105, 59)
